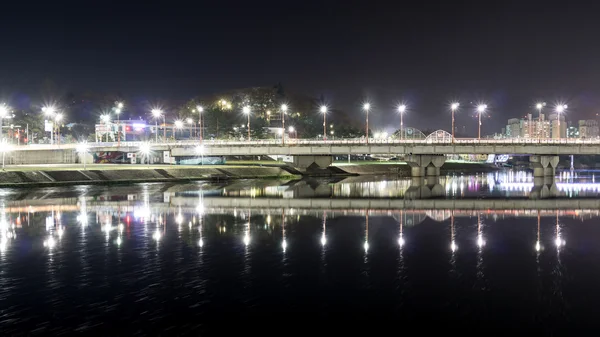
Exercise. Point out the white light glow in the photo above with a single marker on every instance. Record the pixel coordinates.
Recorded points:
(367, 106)
(366, 246)
(537, 246)
(323, 109)
(246, 110)
(401, 108)
(454, 106)
(50, 243)
(246, 239)
(156, 236)
(453, 246)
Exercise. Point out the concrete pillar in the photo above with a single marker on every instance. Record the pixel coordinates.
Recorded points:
(543, 188)
(433, 171)
(543, 166)
(417, 171)
(309, 161)
(424, 189)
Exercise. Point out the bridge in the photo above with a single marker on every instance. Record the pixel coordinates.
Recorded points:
(425, 156)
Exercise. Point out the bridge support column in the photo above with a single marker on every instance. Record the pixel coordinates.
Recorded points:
(543, 166)
(311, 162)
(543, 188)
(421, 165)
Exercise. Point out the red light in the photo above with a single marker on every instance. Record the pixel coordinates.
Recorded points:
(127, 219)
(128, 128)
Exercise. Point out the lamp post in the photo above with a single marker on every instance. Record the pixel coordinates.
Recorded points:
(540, 127)
(200, 111)
(106, 119)
(560, 108)
(323, 110)
(58, 118)
(367, 107)
(190, 122)
(454, 106)
(82, 149)
(284, 108)
(178, 125)
(291, 130)
(480, 110)
(118, 109)
(401, 111)
(246, 110)
(3, 114)
(49, 111)
(156, 113)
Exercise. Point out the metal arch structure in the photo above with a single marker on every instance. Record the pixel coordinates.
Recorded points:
(439, 136)
(410, 133)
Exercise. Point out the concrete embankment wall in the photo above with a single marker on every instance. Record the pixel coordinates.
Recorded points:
(124, 176)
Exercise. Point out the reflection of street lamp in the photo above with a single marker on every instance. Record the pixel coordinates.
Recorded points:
(480, 110)
(246, 110)
(367, 108)
(323, 110)
(82, 149)
(453, 106)
(284, 109)
(156, 113)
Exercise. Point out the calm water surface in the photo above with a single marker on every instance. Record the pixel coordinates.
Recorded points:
(154, 259)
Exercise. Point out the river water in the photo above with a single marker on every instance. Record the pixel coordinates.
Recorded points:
(168, 259)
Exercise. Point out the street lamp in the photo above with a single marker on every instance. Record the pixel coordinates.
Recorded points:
(106, 119)
(292, 130)
(560, 108)
(58, 118)
(453, 106)
(480, 110)
(3, 114)
(156, 113)
(82, 149)
(200, 124)
(145, 150)
(49, 112)
(323, 110)
(539, 107)
(367, 107)
(284, 109)
(401, 111)
(190, 122)
(246, 110)
(177, 125)
(118, 108)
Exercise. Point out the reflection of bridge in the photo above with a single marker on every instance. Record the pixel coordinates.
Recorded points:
(437, 209)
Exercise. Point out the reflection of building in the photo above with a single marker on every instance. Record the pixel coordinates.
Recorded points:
(588, 129)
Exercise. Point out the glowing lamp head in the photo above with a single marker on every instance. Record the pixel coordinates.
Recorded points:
(82, 147)
(284, 107)
(539, 106)
(105, 118)
(178, 124)
(48, 110)
(481, 108)
(291, 129)
(118, 111)
(323, 109)
(367, 106)
(189, 121)
(145, 148)
(454, 106)
(199, 149)
(401, 108)
(3, 111)
(156, 113)
(199, 109)
(120, 105)
(58, 117)
(561, 108)
(246, 110)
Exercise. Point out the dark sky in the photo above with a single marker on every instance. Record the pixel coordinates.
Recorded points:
(426, 53)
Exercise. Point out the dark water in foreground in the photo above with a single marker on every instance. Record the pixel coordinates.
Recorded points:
(153, 259)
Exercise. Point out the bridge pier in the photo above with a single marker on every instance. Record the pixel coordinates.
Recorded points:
(421, 188)
(543, 188)
(310, 161)
(543, 166)
(421, 165)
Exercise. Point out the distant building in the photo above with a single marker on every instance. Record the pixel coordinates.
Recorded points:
(528, 127)
(556, 131)
(572, 132)
(588, 129)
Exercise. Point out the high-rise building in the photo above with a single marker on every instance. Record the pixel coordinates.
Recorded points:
(528, 127)
(588, 129)
(557, 132)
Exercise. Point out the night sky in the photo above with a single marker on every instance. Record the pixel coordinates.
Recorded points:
(425, 53)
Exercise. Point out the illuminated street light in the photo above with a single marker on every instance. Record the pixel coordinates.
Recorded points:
(246, 110)
(453, 106)
(481, 108)
(560, 108)
(539, 107)
(178, 125)
(291, 130)
(82, 148)
(367, 108)
(401, 111)
(157, 113)
(118, 108)
(145, 150)
(284, 109)
(323, 110)
(191, 123)
(200, 110)
(48, 111)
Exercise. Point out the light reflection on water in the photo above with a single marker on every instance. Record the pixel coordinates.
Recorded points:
(138, 259)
